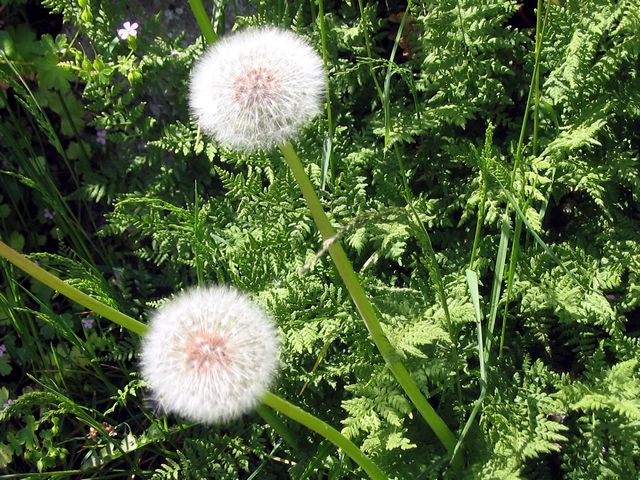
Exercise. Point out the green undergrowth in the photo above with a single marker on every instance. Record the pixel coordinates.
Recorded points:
(159, 207)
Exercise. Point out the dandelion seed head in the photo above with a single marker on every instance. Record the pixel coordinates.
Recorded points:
(256, 88)
(210, 354)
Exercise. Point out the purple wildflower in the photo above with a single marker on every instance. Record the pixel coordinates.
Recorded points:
(87, 323)
(6, 404)
(3, 348)
(48, 214)
(128, 30)
(100, 137)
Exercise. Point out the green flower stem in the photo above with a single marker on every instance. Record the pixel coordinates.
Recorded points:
(359, 297)
(330, 433)
(202, 18)
(271, 400)
(72, 293)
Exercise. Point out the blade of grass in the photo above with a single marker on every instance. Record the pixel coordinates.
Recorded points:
(316, 460)
(547, 249)
(472, 283)
(255, 473)
(35, 175)
(498, 276)
(196, 234)
(31, 104)
(484, 179)
(367, 46)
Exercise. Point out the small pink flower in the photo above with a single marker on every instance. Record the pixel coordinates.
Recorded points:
(101, 137)
(128, 30)
(117, 279)
(87, 323)
(48, 214)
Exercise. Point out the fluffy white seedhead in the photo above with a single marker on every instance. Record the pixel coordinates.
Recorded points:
(210, 354)
(256, 88)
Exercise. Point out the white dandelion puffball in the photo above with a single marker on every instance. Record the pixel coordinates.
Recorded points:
(210, 354)
(256, 88)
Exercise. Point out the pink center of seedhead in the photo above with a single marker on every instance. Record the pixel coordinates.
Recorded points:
(205, 350)
(255, 86)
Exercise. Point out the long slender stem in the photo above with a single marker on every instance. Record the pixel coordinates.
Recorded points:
(367, 46)
(328, 432)
(328, 163)
(325, 62)
(360, 299)
(427, 246)
(271, 400)
(515, 249)
(72, 293)
(423, 237)
(202, 18)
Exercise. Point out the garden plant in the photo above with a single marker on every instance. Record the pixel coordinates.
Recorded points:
(318, 239)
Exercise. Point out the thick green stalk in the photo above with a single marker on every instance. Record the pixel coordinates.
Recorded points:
(204, 23)
(271, 400)
(72, 293)
(359, 297)
(328, 432)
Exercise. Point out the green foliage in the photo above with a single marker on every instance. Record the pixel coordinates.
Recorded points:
(158, 207)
